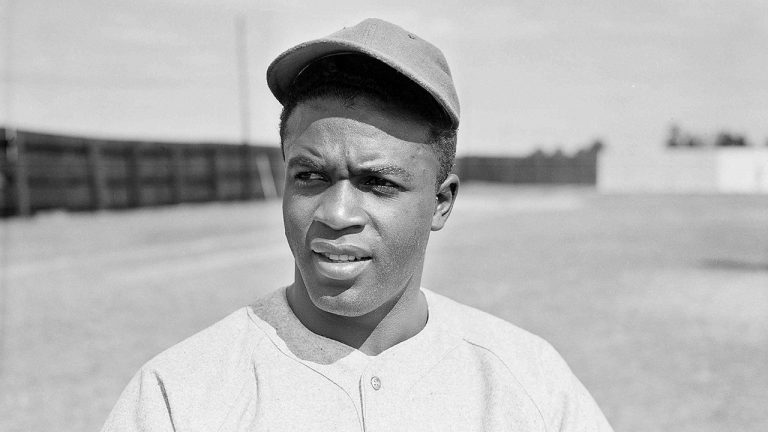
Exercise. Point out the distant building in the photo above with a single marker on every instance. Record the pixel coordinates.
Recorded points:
(685, 170)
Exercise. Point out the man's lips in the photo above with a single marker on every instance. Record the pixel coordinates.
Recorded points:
(342, 258)
(339, 261)
(339, 252)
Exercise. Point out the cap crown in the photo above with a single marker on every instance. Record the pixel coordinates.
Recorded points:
(405, 52)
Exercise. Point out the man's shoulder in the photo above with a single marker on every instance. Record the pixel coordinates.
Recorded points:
(483, 329)
(205, 351)
(201, 377)
(533, 361)
(231, 339)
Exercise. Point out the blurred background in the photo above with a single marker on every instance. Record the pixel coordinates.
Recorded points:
(614, 159)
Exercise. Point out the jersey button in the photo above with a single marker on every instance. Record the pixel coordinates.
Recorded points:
(375, 383)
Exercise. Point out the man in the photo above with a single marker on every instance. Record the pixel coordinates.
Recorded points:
(368, 133)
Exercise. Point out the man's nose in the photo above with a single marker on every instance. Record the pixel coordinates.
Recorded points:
(341, 207)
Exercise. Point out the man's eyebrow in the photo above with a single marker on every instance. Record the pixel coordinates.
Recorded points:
(384, 169)
(303, 161)
(393, 170)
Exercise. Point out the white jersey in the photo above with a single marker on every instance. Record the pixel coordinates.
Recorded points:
(261, 369)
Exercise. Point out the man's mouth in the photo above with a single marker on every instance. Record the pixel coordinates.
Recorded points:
(339, 261)
(342, 258)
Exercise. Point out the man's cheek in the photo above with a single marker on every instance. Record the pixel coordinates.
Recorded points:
(294, 231)
(405, 246)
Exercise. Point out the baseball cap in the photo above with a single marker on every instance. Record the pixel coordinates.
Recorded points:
(417, 59)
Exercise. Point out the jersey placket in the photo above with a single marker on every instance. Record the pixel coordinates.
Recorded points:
(373, 397)
(387, 380)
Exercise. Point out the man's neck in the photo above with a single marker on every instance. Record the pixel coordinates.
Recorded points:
(371, 333)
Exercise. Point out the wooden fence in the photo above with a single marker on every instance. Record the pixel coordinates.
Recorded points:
(537, 168)
(39, 171)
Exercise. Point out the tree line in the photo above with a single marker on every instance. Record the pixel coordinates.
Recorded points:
(676, 137)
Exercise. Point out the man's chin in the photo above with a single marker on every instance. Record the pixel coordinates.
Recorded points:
(349, 302)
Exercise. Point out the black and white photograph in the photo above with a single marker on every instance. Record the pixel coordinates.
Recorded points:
(261, 215)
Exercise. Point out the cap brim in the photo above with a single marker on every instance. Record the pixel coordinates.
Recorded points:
(286, 67)
(283, 70)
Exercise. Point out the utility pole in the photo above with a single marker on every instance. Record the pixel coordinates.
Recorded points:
(241, 30)
(263, 166)
(7, 34)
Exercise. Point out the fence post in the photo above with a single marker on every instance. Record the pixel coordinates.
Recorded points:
(177, 173)
(540, 169)
(19, 153)
(5, 174)
(134, 174)
(246, 175)
(97, 176)
(216, 173)
(265, 176)
(278, 172)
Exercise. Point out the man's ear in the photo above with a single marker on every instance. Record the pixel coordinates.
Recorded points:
(446, 196)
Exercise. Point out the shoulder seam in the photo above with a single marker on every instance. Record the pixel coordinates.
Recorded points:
(164, 393)
(527, 393)
(251, 367)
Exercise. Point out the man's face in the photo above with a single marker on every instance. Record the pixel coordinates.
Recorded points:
(359, 204)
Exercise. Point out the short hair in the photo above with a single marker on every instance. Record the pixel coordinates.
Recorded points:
(346, 77)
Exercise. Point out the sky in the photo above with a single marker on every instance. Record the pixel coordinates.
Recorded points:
(530, 74)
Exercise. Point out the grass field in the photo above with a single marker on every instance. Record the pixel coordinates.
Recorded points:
(659, 303)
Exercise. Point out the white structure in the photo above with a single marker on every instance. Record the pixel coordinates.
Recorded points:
(685, 170)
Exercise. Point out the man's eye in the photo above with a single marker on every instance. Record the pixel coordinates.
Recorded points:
(381, 184)
(308, 177)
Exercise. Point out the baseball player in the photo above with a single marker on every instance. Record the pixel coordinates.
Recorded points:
(368, 133)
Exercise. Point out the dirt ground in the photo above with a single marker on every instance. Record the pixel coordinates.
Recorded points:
(658, 302)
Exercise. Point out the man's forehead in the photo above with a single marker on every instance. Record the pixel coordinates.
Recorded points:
(362, 118)
(361, 140)
(360, 151)
(356, 149)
